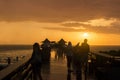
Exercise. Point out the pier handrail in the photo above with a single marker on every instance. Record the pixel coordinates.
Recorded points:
(17, 71)
(117, 58)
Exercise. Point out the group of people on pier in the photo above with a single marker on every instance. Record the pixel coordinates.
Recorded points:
(40, 55)
(77, 56)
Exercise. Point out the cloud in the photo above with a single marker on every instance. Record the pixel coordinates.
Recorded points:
(101, 22)
(109, 26)
(102, 16)
(58, 10)
(71, 23)
(65, 29)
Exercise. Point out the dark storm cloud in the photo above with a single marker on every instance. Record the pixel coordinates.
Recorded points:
(58, 10)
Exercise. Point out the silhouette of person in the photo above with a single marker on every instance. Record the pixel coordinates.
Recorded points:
(17, 58)
(69, 76)
(77, 61)
(46, 49)
(9, 60)
(36, 62)
(61, 49)
(69, 53)
(85, 49)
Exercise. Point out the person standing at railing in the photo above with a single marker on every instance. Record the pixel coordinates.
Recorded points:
(85, 49)
(36, 62)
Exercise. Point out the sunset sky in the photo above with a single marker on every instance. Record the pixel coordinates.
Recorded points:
(29, 21)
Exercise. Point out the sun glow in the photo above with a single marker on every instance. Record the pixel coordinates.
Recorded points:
(85, 35)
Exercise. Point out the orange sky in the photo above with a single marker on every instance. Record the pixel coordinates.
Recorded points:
(28, 32)
(26, 22)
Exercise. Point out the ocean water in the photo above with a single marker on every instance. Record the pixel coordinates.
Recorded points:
(97, 48)
(13, 51)
(21, 51)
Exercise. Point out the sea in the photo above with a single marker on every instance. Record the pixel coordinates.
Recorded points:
(14, 51)
(22, 51)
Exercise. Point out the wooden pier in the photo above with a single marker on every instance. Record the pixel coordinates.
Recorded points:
(57, 70)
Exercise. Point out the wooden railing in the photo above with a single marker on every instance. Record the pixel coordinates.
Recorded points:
(18, 71)
(107, 56)
(106, 67)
